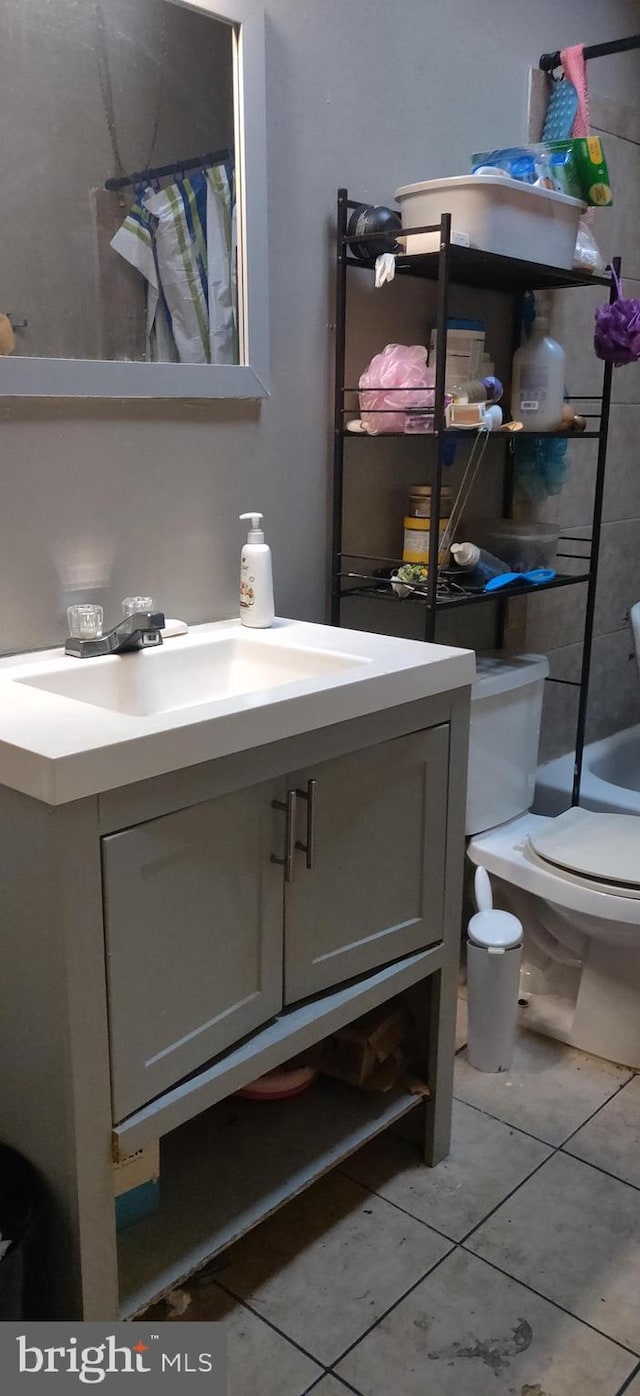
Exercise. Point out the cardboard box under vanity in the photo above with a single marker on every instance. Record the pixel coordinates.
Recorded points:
(357, 1053)
(136, 1185)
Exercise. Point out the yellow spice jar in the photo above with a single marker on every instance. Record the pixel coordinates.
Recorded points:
(417, 523)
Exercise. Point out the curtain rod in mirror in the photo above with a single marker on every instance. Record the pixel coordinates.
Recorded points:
(198, 162)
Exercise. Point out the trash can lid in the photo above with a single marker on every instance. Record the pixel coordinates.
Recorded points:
(495, 928)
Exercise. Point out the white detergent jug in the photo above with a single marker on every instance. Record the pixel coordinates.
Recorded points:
(537, 392)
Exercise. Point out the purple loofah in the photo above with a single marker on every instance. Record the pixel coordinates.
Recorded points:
(616, 336)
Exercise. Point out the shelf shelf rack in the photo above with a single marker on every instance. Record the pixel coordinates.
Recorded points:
(453, 264)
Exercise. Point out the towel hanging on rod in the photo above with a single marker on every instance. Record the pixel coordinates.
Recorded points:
(145, 177)
(549, 61)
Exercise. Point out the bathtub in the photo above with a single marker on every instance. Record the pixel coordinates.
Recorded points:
(610, 777)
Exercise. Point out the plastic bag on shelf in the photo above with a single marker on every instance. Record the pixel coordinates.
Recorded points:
(397, 391)
(587, 254)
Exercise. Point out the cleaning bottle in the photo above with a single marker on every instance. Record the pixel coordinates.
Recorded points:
(537, 391)
(478, 564)
(256, 577)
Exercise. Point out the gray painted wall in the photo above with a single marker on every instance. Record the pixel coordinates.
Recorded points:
(144, 497)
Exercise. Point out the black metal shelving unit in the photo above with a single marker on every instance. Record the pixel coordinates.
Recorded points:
(450, 265)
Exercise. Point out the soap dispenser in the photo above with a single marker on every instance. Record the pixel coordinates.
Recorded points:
(256, 577)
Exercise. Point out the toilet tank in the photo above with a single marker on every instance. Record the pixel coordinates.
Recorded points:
(506, 711)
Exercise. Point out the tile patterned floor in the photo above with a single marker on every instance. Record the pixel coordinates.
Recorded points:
(512, 1269)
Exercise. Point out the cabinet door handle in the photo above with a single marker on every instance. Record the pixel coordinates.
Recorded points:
(310, 846)
(289, 807)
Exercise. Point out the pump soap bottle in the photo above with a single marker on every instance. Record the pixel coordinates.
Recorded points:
(257, 607)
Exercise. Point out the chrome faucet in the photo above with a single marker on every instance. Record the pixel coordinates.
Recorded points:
(134, 632)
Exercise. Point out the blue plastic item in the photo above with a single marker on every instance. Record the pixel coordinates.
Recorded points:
(537, 577)
(137, 1203)
(561, 112)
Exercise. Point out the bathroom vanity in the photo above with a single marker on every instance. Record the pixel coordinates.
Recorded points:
(213, 855)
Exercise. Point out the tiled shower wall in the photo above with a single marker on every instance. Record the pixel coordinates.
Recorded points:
(554, 622)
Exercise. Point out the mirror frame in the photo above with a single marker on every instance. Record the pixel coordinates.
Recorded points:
(102, 378)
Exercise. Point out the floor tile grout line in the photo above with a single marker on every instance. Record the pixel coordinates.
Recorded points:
(403, 1210)
(318, 1361)
(593, 1114)
(528, 1133)
(308, 1390)
(392, 1307)
(597, 1167)
(269, 1323)
(458, 1240)
(553, 1148)
(332, 1373)
(453, 1246)
(508, 1195)
(628, 1380)
(554, 1302)
(498, 1118)
(329, 1372)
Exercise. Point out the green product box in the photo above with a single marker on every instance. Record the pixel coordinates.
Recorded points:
(584, 173)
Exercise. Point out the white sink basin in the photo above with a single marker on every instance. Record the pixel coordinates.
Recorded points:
(71, 728)
(174, 677)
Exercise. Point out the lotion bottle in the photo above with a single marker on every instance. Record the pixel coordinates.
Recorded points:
(256, 577)
(472, 559)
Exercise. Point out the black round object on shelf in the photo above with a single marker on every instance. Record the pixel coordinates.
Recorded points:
(374, 218)
(19, 1203)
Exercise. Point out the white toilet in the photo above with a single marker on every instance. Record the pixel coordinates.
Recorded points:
(573, 881)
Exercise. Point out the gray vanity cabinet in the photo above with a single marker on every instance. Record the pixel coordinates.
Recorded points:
(193, 929)
(374, 822)
(166, 942)
(202, 926)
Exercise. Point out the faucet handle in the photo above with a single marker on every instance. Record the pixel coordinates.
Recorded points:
(135, 605)
(85, 621)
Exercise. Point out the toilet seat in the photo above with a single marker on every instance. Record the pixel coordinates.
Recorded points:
(599, 848)
(610, 889)
(508, 852)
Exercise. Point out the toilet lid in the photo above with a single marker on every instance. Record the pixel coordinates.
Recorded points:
(602, 846)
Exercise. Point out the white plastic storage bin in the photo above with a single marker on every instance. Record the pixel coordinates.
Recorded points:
(506, 712)
(496, 214)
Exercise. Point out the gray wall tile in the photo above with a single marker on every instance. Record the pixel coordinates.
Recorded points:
(558, 615)
(572, 508)
(614, 694)
(616, 228)
(622, 486)
(560, 708)
(607, 114)
(618, 575)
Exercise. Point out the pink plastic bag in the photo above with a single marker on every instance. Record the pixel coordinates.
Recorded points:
(400, 367)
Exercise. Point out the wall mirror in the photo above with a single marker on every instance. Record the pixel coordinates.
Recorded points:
(133, 246)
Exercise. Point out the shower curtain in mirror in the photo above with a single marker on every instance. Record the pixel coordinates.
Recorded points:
(182, 240)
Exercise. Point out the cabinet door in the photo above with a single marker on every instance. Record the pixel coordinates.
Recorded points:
(193, 913)
(375, 891)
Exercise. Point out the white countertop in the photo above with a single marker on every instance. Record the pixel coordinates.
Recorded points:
(56, 748)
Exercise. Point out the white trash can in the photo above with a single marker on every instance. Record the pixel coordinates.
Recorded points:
(494, 951)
